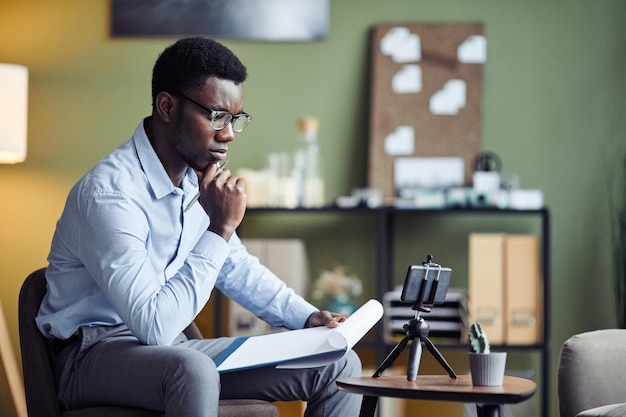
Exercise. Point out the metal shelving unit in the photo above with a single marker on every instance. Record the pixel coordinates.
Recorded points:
(386, 219)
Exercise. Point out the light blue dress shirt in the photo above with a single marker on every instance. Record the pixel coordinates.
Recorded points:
(124, 252)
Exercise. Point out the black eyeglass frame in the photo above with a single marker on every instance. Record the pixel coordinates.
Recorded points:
(215, 113)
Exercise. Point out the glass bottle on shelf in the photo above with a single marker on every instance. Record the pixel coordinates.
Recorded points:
(308, 165)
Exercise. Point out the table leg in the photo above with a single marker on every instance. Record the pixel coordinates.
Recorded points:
(368, 406)
(488, 410)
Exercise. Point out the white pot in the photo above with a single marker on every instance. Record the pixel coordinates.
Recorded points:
(487, 369)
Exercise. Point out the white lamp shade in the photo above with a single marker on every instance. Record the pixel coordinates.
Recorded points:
(13, 112)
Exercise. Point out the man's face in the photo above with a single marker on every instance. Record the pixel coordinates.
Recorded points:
(192, 136)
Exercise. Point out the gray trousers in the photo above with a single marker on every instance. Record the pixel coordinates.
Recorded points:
(110, 367)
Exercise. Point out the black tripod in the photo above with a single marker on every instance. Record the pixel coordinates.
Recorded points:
(416, 328)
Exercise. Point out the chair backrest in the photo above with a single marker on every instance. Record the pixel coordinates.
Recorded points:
(41, 396)
(591, 371)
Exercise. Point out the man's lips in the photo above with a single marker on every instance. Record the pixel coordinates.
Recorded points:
(219, 154)
(220, 150)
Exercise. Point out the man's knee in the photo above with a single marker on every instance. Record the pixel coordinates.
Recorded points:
(353, 365)
(192, 383)
(194, 368)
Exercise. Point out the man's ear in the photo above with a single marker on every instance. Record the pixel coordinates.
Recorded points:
(163, 105)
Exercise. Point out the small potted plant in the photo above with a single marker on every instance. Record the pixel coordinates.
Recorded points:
(486, 367)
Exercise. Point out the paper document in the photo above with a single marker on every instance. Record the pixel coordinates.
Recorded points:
(304, 348)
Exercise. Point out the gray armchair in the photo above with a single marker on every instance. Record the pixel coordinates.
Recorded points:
(591, 375)
(41, 394)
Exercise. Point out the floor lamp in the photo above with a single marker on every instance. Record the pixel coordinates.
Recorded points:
(13, 123)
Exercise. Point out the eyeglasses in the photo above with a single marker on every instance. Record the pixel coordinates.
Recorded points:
(219, 118)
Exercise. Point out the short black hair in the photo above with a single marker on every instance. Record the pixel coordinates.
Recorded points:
(187, 64)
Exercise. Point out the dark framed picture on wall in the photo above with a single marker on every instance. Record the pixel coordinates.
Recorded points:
(262, 20)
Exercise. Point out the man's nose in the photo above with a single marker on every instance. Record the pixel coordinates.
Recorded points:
(227, 134)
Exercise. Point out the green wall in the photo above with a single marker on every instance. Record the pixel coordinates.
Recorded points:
(553, 109)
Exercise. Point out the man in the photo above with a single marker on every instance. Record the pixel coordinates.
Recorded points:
(134, 259)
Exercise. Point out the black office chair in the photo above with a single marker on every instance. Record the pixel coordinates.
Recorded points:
(41, 393)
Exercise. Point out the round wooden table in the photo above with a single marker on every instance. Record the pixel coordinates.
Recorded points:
(439, 388)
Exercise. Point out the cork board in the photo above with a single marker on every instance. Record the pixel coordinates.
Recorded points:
(426, 85)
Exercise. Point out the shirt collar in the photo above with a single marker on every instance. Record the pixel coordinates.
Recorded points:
(158, 179)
